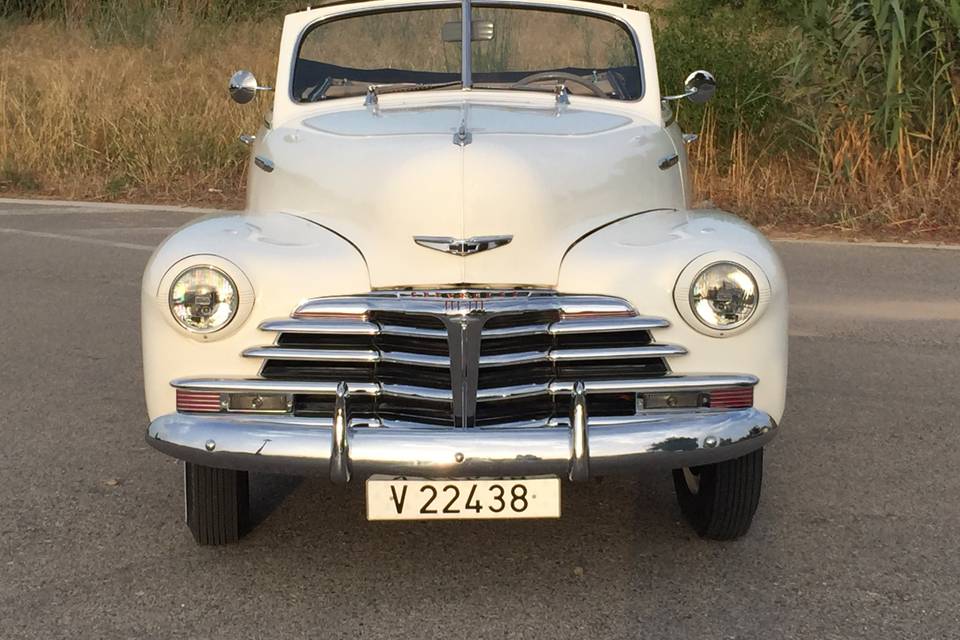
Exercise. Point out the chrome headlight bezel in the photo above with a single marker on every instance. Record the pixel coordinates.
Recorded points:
(234, 305)
(683, 292)
(241, 285)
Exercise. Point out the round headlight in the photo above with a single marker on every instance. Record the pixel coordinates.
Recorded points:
(203, 299)
(724, 296)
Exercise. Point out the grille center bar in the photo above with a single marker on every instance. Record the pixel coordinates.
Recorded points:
(463, 337)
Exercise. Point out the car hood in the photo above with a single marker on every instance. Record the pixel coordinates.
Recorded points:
(546, 178)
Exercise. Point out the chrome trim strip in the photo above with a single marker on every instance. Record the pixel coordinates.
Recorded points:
(606, 325)
(241, 385)
(518, 391)
(437, 304)
(523, 357)
(561, 327)
(412, 332)
(340, 355)
(521, 330)
(417, 393)
(332, 327)
(340, 306)
(579, 442)
(651, 351)
(577, 305)
(417, 359)
(314, 355)
(668, 383)
(285, 445)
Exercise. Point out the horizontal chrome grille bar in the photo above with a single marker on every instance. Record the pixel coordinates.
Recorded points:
(313, 355)
(516, 391)
(416, 393)
(618, 353)
(418, 359)
(410, 303)
(413, 332)
(505, 359)
(577, 326)
(323, 327)
(428, 360)
(669, 383)
(257, 385)
(607, 325)
(513, 332)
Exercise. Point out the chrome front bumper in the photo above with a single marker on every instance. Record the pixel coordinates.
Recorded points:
(578, 450)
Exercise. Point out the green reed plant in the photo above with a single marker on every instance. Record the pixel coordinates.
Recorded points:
(878, 77)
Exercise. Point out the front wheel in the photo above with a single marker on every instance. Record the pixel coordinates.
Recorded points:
(217, 503)
(719, 500)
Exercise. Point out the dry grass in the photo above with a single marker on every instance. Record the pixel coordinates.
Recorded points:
(84, 119)
(881, 192)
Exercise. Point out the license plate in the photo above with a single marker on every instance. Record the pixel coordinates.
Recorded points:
(418, 499)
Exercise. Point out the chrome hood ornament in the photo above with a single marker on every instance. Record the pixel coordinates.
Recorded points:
(463, 246)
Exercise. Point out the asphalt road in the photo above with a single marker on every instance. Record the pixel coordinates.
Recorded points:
(857, 533)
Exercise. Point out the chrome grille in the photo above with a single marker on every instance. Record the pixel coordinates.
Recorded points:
(465, 358)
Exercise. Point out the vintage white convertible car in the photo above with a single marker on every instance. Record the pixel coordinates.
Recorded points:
(468, 272)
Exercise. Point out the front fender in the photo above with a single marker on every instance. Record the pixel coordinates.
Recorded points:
(286, 259)
(640, 259)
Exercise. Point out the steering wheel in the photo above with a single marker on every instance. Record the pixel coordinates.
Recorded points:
(560, 75)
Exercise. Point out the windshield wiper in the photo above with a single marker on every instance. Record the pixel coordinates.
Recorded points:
(399, 87)
(372, 100)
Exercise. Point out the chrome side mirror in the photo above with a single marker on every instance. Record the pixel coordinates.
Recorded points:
(244, 87)
(699, 87)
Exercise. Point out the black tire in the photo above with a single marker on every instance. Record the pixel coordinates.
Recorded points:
(722, 506)
(218, 503)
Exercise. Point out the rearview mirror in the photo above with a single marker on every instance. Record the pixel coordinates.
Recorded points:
(480, 30)
(244, 87)
(700, 86)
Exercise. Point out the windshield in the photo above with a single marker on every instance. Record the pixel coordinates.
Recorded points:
(513, 48)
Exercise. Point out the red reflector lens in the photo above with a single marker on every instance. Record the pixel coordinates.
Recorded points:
(733, 398)
(198, 401)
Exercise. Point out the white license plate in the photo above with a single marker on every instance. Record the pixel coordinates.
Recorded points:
(416, 499)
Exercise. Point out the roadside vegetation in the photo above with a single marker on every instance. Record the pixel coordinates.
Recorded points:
(836, 115)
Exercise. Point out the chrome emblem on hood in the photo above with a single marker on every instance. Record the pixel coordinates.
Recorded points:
(462, 247)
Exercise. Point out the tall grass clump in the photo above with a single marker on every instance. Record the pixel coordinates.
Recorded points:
(150, 119)
(831, 113)
(875, 87)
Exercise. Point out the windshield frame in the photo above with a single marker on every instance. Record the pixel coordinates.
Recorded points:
(598, 13)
